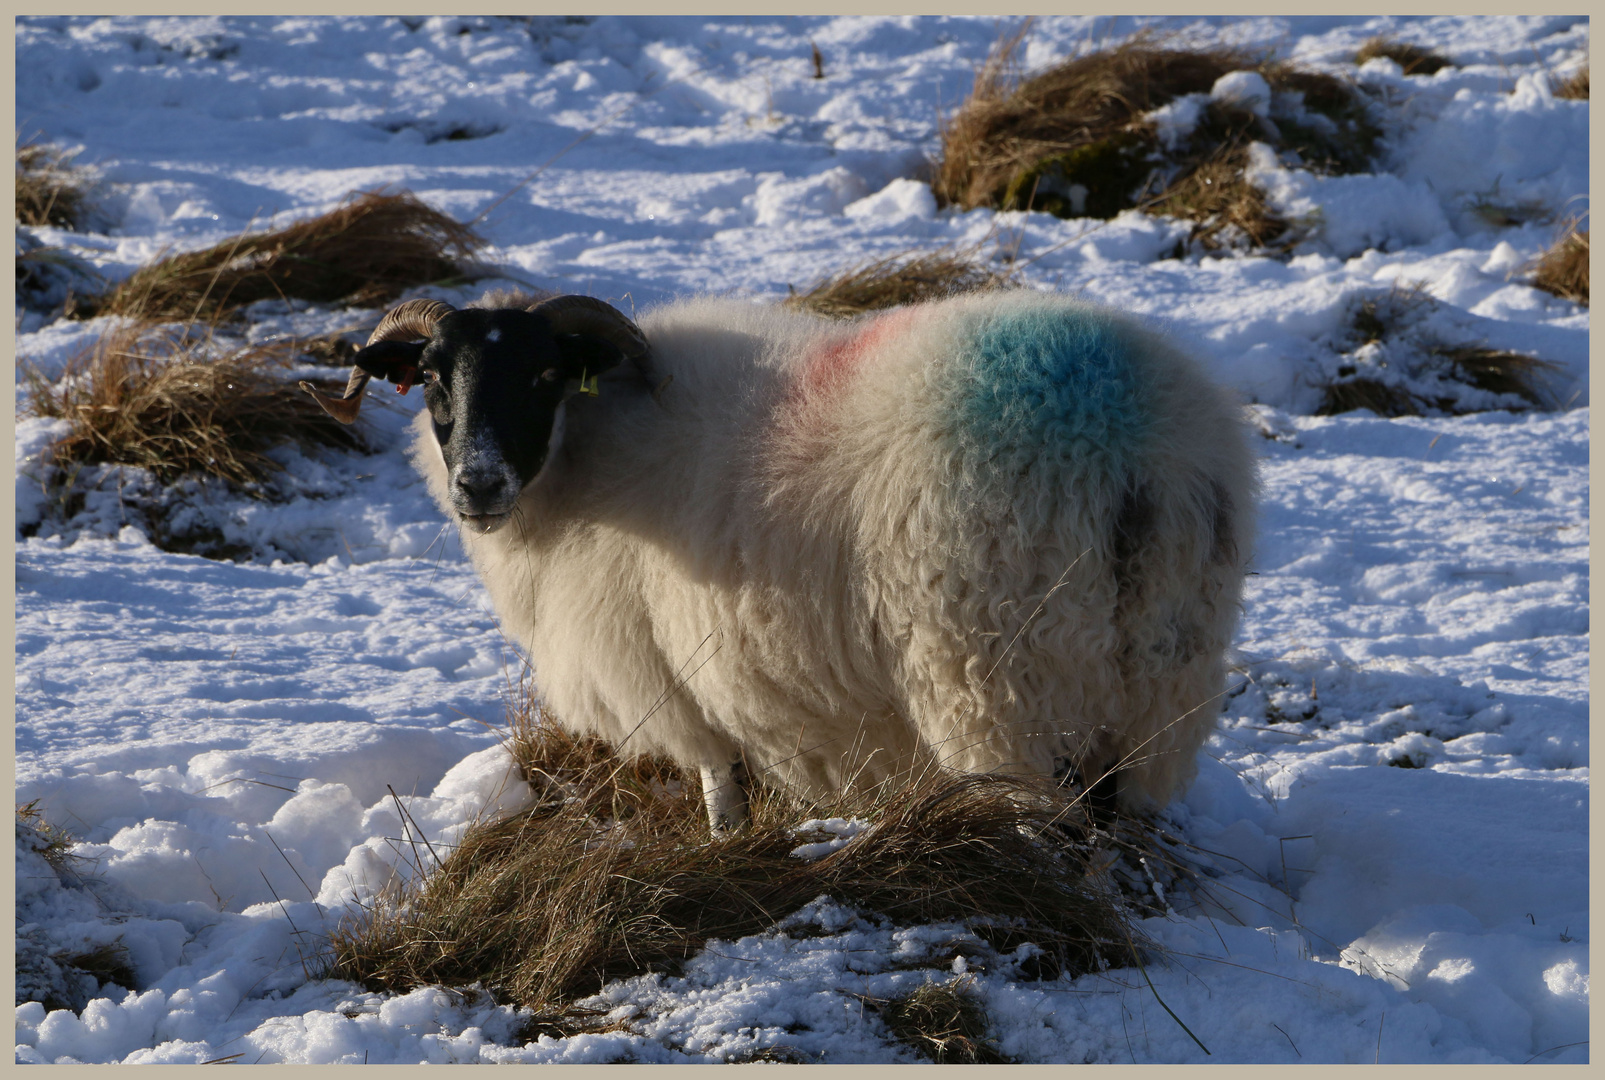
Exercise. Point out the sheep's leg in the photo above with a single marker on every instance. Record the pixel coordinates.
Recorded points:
(1101, 795)
(724, 795)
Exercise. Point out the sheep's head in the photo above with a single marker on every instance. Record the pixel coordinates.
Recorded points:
(495, 382)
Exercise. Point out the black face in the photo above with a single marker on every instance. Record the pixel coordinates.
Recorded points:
(494, 382)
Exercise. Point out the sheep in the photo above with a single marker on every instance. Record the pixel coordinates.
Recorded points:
(995, 533)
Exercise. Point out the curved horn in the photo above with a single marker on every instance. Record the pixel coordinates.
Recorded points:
(404, 322)
(410, 321)
(588, 315)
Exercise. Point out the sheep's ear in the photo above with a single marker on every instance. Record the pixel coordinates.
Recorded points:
(389, 360)
(586, 354)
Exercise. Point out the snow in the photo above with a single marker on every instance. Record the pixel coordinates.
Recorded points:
(1395, 806)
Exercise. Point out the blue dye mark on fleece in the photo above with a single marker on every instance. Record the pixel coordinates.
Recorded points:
(1052, 380)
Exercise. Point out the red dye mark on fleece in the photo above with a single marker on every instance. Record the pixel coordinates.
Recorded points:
(828, 369)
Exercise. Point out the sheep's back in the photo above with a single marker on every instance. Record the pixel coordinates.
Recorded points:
(979, 454)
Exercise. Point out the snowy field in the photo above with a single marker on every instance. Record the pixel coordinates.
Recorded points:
(1397, 797)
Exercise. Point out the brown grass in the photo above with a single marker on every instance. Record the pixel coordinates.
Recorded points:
(1011, 122)
(1412, 58)
(50, 277)
(366, 252)
(146, 394)
(1070, 140)
(1379, 317)
(41, 977)
(1500, 371)
(1223, 206)
(1574, 86)
(1563, 269)
(50, 191)
(613, 873)
(943, 1021)
(335, 349)
(51, 841)
(1363, 393)
(910, 277)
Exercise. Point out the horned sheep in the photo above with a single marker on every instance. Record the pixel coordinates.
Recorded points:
(997, 533)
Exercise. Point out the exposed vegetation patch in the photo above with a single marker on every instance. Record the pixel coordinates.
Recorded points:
(1224, 206)
(1083, 138)
(1396, 363)
(1500, 371)
(50, 189)
(943, 1021)
(1563, 269)
(333, 350)
(365, 253)
(50, 278)
(910, 277)
(1575, 86)
(59, 975)
(1413, 59)
(613, 873)
(51, 841)
(149, 395)
(1351, 392)
(439, 131)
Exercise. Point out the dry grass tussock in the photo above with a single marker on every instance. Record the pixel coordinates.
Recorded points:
(365, 253)
(1563, 269)
(1412, 58)
(1575, 86)
(51, 841)
(943, 1021)
(1347, 395)
(1072, 140)
(62, 978)
(50, 190)
(613, 873)
(148, 394)
(1382, 318)
(1500, 371)
(909, 277)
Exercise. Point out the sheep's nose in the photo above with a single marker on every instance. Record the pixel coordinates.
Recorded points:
(478, 490)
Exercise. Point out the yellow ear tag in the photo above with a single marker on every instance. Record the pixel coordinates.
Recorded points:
(588, 384)
(591, 386)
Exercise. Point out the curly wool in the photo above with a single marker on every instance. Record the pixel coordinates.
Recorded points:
(999, 533)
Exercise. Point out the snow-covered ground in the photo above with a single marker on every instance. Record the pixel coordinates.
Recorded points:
(1397, 799)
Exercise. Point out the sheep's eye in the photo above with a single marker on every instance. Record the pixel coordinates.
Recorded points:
(551, 374)
(431, 376)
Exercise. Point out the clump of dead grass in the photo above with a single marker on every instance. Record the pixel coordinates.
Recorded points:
(50, 277)
(613, 873)
(1563, 269)
(1575, 86)
(333, 349)
(50, 189)
(62, 978)
(1072, 140)
(1412, 58)
(1501, 371)
(1399, 367)
(910, 277)
(51, 841)
(1223, 205)
(150, 395)
(943, 1021)
(365, 253)
(1347, 395)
